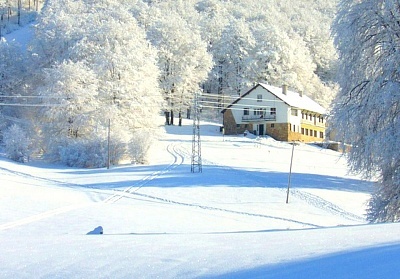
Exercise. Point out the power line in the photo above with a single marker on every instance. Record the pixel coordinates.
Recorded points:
(32, 105)
(31, 96)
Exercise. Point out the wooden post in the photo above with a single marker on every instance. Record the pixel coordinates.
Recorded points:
(290, 173)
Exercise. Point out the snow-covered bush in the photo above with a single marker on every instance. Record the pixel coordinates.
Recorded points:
(118, 150)
(139, 146)
(91, 153)
(16, 143)
(82, 153)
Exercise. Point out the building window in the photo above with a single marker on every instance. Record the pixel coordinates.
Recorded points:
(294, 112)
(321, 135)
(306, 132)
(259, 111)
(302, 131)
(272, 125)
(302, 115)
(272, 111)
(246, 111)
(259, 98)
(315, 133)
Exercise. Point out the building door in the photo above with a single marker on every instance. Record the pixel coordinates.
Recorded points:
(261, 129)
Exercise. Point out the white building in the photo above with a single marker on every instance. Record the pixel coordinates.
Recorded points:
(280, 113)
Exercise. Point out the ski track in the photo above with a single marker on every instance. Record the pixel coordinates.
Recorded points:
(312, 200)
(321, 203)
(205, 207)
(178, 159)
(179, 154)
(47, 180)
(309, 198)
(172, 149)
(41, 216)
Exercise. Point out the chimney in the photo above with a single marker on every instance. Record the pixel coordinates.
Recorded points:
(284, 89)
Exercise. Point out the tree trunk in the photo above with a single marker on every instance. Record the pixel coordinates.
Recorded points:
(172, 117)
(167, 118)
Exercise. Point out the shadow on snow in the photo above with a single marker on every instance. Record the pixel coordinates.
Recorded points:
(376, 262)
(214, 176)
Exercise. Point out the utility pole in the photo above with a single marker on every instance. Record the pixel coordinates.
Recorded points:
(19, 11)
(290, 173)
(196, 144)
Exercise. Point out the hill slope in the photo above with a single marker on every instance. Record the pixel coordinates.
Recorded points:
(161, 220)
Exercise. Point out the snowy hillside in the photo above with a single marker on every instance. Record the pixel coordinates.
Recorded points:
(162, 221)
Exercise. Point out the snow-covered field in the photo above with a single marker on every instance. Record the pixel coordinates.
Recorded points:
(162, 221)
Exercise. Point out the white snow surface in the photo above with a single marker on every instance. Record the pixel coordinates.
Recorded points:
(162, 221)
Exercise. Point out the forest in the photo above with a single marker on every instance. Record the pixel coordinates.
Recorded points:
(94, 64)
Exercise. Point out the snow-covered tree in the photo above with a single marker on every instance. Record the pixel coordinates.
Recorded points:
(282, 42)
(145, 52)
(69, 92)
(366, 112)
(13, 70)
(182, 58)
(17, 144)
(98, 65)
(233, 55)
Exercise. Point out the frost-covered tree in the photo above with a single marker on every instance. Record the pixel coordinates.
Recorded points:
(233, 57)
(17, 144)
(182, 58)
(366, 112)
(69, 92)
(282, 42)
(59, 26)
(13, 71)
(97, 64)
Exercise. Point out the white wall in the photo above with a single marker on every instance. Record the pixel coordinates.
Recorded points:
(283, 111)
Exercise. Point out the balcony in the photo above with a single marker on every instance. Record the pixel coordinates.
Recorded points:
(258, 118)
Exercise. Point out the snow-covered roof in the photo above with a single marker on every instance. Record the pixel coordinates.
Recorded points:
(294, 99)
(291, 98)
